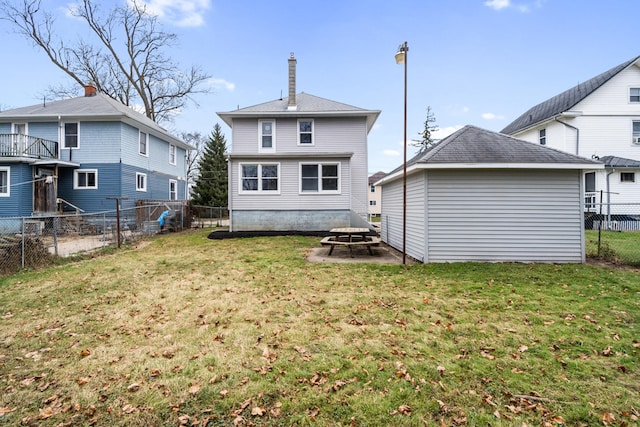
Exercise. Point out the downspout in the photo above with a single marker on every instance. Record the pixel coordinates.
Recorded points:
(577, 133)
(609, 199)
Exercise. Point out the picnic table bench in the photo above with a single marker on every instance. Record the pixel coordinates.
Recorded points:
(350, 237)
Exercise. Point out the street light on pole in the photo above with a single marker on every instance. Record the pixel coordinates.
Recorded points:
(401, 58)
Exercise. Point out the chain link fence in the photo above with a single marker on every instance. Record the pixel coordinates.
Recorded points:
(31, 242)
(612, 232)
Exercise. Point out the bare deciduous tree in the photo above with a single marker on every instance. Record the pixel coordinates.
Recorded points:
(126, 62)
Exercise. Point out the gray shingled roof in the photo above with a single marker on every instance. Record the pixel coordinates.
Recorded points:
(564, 101)
(306, 105)
(619, 162)
(472, 145)
(98, 107)
(376, 177)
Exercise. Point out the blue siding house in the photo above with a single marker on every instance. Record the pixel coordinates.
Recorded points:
(80, 153)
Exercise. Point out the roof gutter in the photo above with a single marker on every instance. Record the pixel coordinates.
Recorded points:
(572, 127)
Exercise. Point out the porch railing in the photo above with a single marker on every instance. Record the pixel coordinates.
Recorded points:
(18, 145)
(590, 201)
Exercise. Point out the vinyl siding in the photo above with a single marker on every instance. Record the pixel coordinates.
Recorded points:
(528, 216)
(392, 195)
(346, 136)
(391, 217)
(92, 200)
(20, 200)
(44, 130)
(99, 141)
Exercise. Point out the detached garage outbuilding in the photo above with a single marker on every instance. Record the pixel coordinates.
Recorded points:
(484, 196)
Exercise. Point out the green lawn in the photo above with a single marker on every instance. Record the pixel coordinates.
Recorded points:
(620, 247)
(191, 331)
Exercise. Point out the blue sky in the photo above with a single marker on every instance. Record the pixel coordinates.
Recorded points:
(472, 61)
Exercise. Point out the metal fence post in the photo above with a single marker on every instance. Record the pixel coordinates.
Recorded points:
(55, 234)
(22, 256)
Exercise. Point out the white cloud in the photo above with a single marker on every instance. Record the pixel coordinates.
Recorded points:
(215, 84)
(506, 4)
(183, 13)
(391, 153)
(442, 133)
(497, 4)
(491, 116)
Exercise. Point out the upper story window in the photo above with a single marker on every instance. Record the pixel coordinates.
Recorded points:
(143, 144)
(636, 133)
(5, 178)
(627, 177)
(320, 177)
(71, 133)
(267, 135)
(85, 179)
(260, 178)
(172, 154)
(373, 188)
(542, 136)
(634, 94)
(141, 181)
(305, 132)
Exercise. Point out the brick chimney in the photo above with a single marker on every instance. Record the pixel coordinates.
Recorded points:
(292, 83)
(90, 89)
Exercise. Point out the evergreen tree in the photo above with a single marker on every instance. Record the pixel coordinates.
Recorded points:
(427, 140)
(211, 187)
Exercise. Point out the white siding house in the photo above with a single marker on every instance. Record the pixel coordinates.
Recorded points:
(597, 119)
(375, 195)
(483, 196)
(298, 163)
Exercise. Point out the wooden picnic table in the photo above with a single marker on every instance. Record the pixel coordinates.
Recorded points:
(350, 237)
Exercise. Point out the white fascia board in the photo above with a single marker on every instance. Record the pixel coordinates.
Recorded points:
(449, 166)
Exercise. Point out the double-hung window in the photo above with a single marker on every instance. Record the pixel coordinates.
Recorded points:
(542, 136)
(71, 135)
(141, 181)
(143, 144)
(172, 154)
(320, 178)
(5, 178)
(260, 178)
(634, 94)
(305, 132)
(636, 132)
(85, 179)
(173, 189)
(267, 135)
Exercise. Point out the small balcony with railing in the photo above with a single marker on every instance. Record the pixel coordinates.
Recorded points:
(19, 145)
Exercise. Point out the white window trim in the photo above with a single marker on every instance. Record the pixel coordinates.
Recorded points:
(320, 191)
(633, 136)
(75, 179)
(261, 149)
(144, 187)
(175, 182)
(542, 139)
(6, 169)
(26, 127)
(313, 136)
(175, 154)
(259, 190)
(63, 137)
(633, 175)
(146, 154)
(629, 98)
